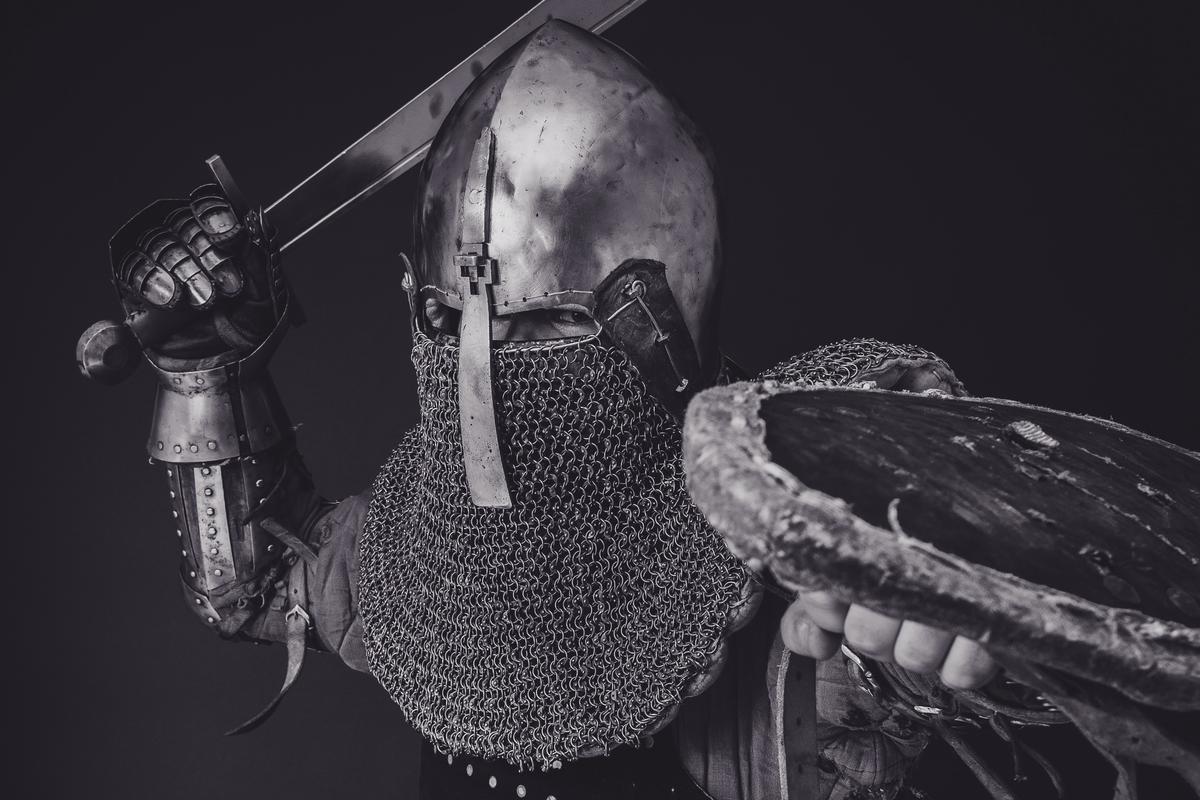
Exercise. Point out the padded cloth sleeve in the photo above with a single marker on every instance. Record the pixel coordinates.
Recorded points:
(333, 583)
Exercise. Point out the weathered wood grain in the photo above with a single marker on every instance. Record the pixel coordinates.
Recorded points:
(1059, 539)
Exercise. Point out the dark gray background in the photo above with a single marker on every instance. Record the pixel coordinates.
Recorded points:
(1012, 186)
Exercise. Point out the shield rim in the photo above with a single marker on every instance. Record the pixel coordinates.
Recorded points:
(768, 515)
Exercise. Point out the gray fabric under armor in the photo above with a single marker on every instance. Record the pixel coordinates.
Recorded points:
(573, 621)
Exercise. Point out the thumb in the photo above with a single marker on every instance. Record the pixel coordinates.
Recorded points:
(802, 636)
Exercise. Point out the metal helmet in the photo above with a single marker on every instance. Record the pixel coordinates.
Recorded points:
(560, 163)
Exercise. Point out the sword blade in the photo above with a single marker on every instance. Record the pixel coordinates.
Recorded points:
(401, 141)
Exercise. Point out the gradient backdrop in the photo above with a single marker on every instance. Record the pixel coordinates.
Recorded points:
(1012, 186)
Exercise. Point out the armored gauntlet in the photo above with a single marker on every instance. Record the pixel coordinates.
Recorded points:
(242, 500)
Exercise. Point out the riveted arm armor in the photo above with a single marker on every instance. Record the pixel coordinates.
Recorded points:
(242, 500)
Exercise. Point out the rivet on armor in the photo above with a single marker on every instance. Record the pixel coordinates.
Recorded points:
(212, 530)
(212, 445)
(210, 511)
(169, 473)
(214, 550)
(217, 572)
(258, 483)
(262, 500)
(520, 790)
(184, 553)
(199, 380)
(271, 549)
(195, 448)
(254, 461)
(492, 781)
(176, 381)
(179, 533)
(199, 602)
(191, 573)
(208, 492)
(175, 514)
(206, 471)
(172, 493)
(449, 759)
(470, 769)
(160, 445)
(211, 620)
(178, 448)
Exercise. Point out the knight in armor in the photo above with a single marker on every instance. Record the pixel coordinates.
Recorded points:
(528, 577)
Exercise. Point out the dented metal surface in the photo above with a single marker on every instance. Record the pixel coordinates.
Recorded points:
(593, 165)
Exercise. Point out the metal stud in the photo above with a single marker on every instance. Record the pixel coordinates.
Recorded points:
(470, 769)
(208, 492)
(258, 483)
(195, 448)
(218, 573)
(172, 493)
(212, 512)
(212, 551)
(271, 549)
(178, 448)
(211, 621)
(449, 759)
(179, 533)
(199, 381)
(191, 573)
(199, 602)
(175, 514)
(212, 530)
(169, 473)
(206, 471)
(520, 790)
(184, 553)
(492, 781)
(176, 381)
(212, 445)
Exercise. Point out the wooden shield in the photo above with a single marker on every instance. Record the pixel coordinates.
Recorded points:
(1057, 539)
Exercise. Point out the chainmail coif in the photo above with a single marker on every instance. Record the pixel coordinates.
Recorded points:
(848, 360)
(573, 621)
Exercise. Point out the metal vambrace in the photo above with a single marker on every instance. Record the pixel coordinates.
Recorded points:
(242, 500)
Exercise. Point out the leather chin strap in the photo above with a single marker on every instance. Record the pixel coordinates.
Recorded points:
(639, 314)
